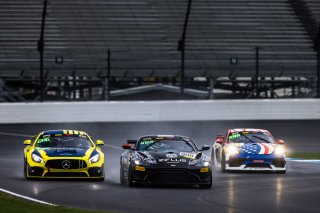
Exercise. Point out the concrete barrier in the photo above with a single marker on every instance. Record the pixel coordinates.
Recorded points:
(124, 111)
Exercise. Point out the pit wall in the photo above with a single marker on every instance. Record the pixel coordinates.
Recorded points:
(126, 111)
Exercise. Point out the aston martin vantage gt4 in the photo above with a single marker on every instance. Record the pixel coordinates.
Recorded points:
(165, 159)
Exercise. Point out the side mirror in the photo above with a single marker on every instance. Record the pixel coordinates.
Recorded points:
(220, 139)
(205, 147)
(281, 142)
(99, 142)
(126, 146)
(27, 142)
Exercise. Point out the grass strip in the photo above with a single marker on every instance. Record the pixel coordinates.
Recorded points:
(9, 204)
(305, 155)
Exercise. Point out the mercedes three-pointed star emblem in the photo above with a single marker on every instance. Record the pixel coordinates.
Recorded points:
(66, 164)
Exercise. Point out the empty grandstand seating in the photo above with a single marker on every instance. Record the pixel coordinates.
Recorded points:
(143, 38)
(314, 6)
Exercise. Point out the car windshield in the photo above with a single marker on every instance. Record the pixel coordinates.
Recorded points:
(74, 141)
(165, 145)
(251, 137)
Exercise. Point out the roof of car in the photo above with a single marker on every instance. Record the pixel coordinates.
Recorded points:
(166, 136)
(63, 132)
(248, 130)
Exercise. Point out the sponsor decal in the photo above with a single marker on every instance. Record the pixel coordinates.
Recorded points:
(187, 155)
(172, 160)
(43, 140)
(146, 142)
(234, 135)
(258, 161)
(171, 155)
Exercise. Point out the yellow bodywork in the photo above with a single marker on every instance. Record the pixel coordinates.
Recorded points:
(29, 149)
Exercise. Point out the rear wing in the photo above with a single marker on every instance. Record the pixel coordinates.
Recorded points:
(131, 141)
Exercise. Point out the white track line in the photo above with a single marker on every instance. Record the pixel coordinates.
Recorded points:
(18, 195)
(13, 134)
(114, 147)
(27, 198)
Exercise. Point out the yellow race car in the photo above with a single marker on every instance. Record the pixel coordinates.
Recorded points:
(63, 154)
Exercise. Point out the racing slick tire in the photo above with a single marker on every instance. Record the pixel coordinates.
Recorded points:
(122, 179)
(223, 163)
(129, 181)
(25, 170)
(207, 185)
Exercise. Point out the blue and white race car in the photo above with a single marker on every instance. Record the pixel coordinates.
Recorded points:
(249, 149)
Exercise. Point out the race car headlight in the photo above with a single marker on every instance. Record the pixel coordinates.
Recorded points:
(144, 162)
(94, 158)
(137, 162)
(203, 164)
(232, 150)
(279, 150)
(36, 158)
(194, 162)
(206, 163)
(199, 163)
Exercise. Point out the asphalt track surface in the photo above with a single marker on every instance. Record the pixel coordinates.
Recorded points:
(296, 191)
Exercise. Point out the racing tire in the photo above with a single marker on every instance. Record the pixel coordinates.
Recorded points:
(207, 185)
(122, 179)
(213, 158)
(223, 163)
(130, 180)
(25, 170)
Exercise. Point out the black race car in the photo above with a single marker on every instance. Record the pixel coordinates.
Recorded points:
(165, 159)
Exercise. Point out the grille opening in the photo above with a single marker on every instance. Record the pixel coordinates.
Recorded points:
(74, 164)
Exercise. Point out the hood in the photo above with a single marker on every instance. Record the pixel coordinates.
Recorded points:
(63, 152)
(169, 158)
(255, 148)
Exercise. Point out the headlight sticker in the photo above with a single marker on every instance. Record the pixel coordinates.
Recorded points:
(187, 155)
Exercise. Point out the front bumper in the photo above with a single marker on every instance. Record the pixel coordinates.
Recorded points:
(245, 162)
(172, 175)
(52, 170)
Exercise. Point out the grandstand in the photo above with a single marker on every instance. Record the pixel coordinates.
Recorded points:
(222, 40)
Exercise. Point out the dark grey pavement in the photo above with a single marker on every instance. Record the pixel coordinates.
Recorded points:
(296, 191)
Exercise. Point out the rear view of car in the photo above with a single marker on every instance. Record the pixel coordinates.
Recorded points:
(63, 154)
(249, 150)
